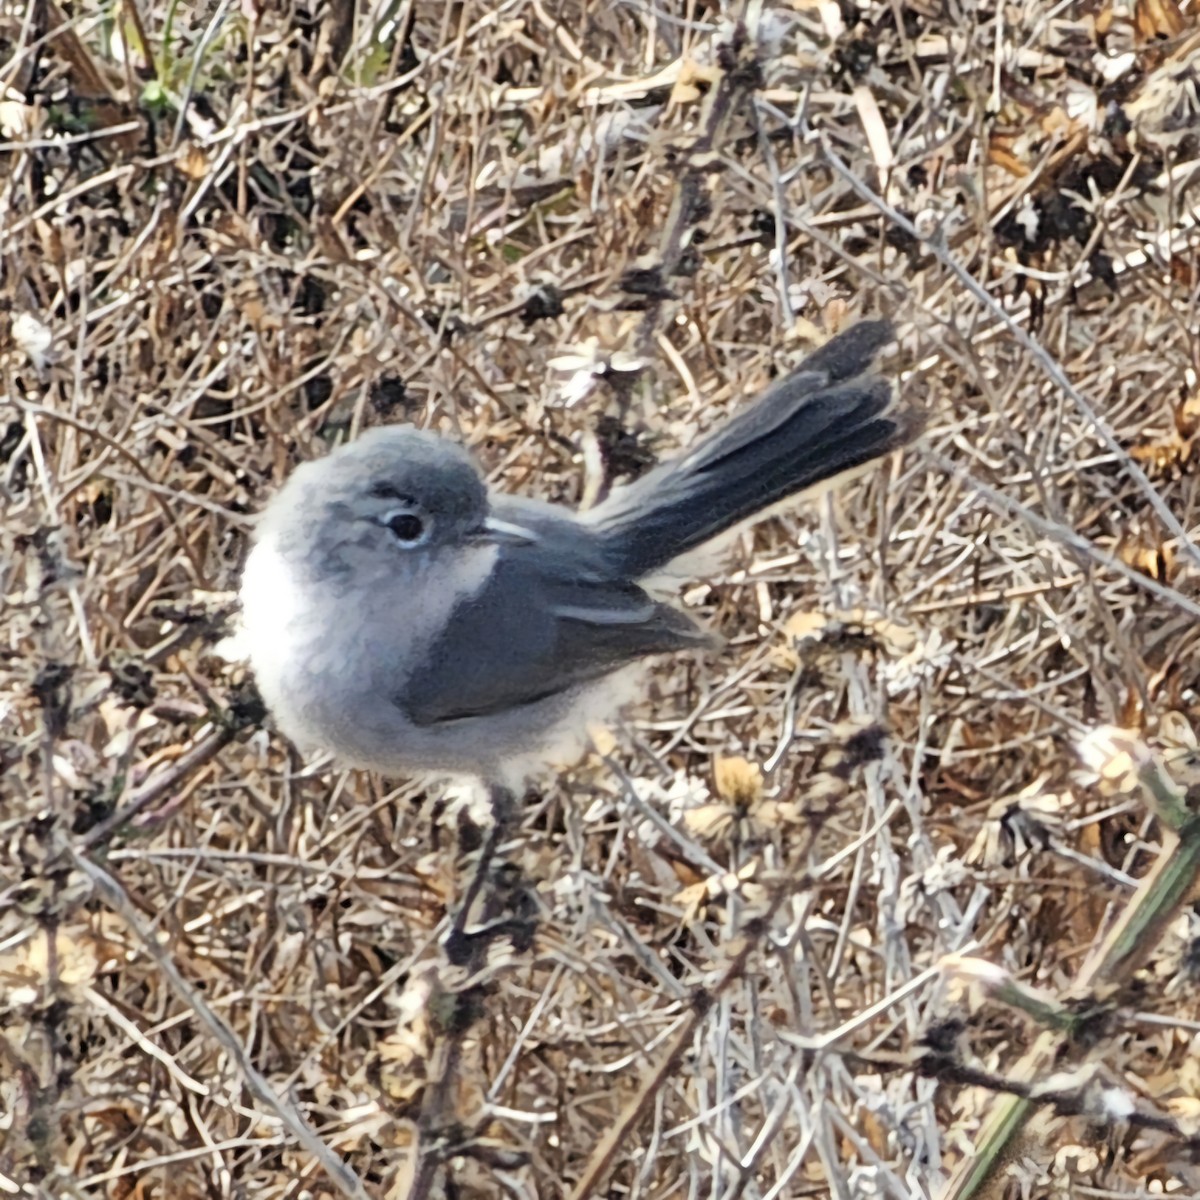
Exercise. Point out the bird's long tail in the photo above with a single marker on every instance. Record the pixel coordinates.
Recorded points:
(825, 419)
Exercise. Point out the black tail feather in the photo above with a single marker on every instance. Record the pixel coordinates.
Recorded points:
(823, 420)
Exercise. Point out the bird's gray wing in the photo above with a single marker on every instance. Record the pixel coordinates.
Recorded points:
(538, 627)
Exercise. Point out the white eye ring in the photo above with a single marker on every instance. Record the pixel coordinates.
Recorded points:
(407, 527)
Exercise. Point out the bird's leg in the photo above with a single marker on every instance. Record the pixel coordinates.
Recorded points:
(458, 942)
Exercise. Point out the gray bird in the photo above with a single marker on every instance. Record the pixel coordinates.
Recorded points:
(406, 618)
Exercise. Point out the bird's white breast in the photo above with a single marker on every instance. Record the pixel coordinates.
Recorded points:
(329, 663)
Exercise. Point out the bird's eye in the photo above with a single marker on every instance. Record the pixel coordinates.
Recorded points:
(407, 527)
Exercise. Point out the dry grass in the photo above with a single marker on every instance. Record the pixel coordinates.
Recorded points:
(269, 252)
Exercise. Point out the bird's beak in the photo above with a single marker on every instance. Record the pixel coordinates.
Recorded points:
(505, 533)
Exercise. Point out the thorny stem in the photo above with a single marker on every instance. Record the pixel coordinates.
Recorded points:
(438, 1120)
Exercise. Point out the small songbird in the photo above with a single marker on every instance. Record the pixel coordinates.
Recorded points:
(403, 616)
